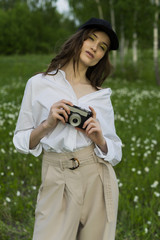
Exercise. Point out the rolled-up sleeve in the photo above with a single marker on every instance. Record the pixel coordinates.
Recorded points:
(25, 125)
(114, 154)
(114, 144)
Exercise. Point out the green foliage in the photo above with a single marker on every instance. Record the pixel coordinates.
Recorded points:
(130, 16)
(143, 69)
(136, 107)
(23, 30)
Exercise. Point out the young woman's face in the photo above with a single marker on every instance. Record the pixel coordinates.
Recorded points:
(94, 48)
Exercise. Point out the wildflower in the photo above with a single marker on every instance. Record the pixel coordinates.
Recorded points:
(158, 213)
(154, 141)
(133, 138)
(133, 169)
(34, 187)
(3, 151)
(146, 230)
(18, 193)
(157, 194)
(136, 199)
(146, 169)
(8, 199)
(155, 184)
(120, 184)
(139, 172)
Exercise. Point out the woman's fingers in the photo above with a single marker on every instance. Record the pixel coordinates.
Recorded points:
(90, 120)
(93, 112)
(63, 114)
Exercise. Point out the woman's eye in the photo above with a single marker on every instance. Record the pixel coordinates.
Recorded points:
(90, 37)
(103, 47)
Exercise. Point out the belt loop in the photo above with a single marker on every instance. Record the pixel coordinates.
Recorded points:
(61, 164)
(95, 157)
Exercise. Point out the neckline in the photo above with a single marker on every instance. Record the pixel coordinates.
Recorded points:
(91, 93)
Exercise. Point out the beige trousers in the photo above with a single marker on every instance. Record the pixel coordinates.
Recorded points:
(79, 203)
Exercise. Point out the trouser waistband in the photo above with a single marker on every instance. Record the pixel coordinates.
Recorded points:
(71, 160)
(80, 158)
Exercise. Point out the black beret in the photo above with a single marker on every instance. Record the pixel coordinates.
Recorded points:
(106, 27)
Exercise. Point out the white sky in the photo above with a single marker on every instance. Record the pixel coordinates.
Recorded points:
(62, 6)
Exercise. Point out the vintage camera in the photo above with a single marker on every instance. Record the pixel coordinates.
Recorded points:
(78, 116)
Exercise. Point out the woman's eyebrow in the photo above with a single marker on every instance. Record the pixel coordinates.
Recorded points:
(102, 42)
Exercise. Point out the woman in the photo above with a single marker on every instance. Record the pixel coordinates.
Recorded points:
(78, 197)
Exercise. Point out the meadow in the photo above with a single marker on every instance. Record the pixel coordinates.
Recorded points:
(137, 117)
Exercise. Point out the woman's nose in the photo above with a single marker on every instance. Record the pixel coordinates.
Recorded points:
(94, 47)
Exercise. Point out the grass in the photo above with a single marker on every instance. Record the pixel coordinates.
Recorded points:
(136, 105)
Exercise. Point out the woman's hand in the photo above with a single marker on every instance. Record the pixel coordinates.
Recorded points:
(58, 112)
(94, 132)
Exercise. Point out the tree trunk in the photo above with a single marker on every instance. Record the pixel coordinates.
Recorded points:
(100, 12)
(114, 28)
(134, 47)
(155, 44)
(122, 45)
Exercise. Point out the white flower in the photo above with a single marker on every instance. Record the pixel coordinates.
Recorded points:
(3, 151)
(139, 172)
(120, 184)
(12, 173)
(158, 213)
(154, 141)
(146, 169)
(133, 169)
(34, 187)
(133, 138)
(149, 222)
(146, 230)
(18, 193)
(8, 199)
(157, 194)
(136, 199)
(155, 184)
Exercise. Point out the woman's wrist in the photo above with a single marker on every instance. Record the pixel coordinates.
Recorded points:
(46, 127)
(103, 146)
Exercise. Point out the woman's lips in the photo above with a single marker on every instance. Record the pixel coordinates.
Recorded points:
(90, 54)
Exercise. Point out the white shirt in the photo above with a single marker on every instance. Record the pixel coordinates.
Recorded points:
(40, 94)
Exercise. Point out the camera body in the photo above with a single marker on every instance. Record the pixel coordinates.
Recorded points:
(78, 116)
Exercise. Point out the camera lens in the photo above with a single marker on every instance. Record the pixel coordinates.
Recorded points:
(75, 120)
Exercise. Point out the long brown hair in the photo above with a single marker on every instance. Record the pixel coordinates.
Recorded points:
(71, 50)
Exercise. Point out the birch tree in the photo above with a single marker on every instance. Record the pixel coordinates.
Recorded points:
(155, 43)
(100, 11)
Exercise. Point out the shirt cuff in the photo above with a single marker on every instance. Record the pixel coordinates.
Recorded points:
(21, 142)
(110, 155)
